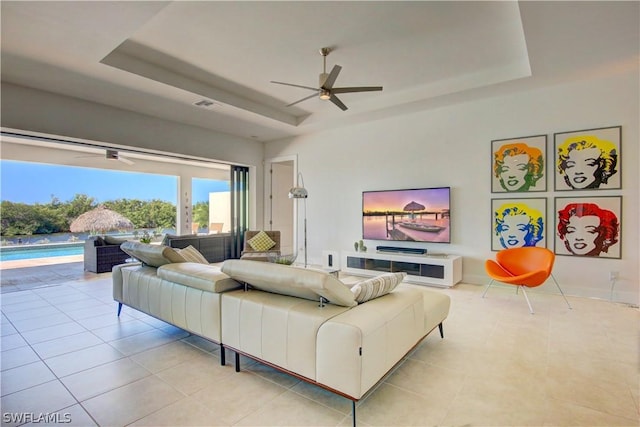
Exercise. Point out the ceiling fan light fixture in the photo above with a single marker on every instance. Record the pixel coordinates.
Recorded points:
(325, 94)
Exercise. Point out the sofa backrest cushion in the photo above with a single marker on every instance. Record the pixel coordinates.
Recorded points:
(195, 275)
(287, 280)
(151, 255)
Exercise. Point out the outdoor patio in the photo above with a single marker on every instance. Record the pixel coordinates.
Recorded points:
(35, 273)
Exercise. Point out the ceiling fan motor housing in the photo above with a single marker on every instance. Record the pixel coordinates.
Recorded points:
(112, 155)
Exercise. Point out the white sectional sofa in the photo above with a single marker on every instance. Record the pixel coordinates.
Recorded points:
(302, 321)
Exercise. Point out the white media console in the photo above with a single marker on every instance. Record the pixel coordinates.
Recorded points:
(438, 270)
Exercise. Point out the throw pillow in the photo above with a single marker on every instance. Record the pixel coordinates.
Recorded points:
(261, 242)
(172, 255)
(191, 254)
(376, 286)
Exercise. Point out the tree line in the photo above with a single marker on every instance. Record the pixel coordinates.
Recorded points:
(21, 219)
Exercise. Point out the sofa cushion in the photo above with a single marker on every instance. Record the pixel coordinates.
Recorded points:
(204, 277)
(376, 286)
(151, 255)
(191, 254)
(261, 242)
(110, 240)
(286, 280)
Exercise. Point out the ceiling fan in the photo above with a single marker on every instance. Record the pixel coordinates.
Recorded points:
(326, 90)
(111, 155)
(114, 155)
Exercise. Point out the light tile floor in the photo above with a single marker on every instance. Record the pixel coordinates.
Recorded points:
(65, 351)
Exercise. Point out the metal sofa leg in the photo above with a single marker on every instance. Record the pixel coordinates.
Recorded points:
(223, 360)
(119, 308)
(441, 330)
(237, 362)
(353, 412)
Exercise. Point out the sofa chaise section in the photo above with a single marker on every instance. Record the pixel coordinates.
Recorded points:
(303, 322)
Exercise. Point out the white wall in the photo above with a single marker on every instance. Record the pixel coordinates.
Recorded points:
(452, 147)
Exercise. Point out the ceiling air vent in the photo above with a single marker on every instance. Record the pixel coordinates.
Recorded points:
(204, 103)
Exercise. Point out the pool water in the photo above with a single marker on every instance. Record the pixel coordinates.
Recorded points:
(12, 253)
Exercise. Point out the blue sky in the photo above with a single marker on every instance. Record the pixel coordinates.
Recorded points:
(24, 182)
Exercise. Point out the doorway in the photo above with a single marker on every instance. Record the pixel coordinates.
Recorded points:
(279, 208)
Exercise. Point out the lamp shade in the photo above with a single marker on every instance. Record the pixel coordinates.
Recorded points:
(298, 193)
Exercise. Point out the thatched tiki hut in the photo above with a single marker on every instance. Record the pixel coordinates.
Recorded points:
(412, 208)
(100, 220)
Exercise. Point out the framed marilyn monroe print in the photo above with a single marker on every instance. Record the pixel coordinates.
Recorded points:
(588, 226)
(518, 222)
(518, 164)
(588, 159)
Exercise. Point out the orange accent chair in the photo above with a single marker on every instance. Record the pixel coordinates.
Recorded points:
(525, 267)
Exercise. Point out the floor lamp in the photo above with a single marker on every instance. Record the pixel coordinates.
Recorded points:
(299, 192)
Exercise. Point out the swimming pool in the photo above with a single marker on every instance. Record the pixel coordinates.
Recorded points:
(12, 253)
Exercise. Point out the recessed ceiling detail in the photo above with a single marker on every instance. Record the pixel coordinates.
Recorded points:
(159, 58)
(207, 48)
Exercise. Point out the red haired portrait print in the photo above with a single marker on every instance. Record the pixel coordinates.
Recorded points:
(589, 229)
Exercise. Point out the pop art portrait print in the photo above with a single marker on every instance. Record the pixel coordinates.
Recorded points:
(588, 159)
(518, 164)
(517, 223)
(588, 226)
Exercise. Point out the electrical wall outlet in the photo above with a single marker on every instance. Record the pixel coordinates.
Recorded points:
(613, 275)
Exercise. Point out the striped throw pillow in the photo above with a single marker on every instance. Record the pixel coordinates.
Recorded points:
(191, 254)
(261, 242)
(376, 286)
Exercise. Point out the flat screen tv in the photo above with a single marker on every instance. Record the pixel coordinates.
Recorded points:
(414, 215)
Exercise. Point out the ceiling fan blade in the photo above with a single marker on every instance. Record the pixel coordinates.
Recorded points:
(331, 79)
(356, 89)
(303, 99)
(337, 101)
(291, 84)
(114, 155)
(125, 160)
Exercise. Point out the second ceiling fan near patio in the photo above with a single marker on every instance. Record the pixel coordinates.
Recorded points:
(326, 91)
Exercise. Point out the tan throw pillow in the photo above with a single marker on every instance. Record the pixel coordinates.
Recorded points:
(172, 254)
(376, 286)
(191, 254)
(261, 242)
